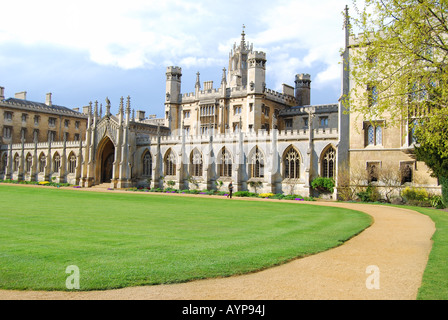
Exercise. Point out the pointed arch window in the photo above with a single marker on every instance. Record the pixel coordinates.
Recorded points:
(147, 164)
(71, 163)
(292, 164)
(28, 163)
(42, 163)
(328, 163)
(4, 162)
(56, 162)
(196, 163)
(225, 164)
(16, 163)
(256, 164)
(170, 164)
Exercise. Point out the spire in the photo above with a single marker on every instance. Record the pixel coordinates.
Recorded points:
(128, 105)
(224, 79)
(107, 107)
(120, 109)
(198, 82)
(347, 25)
(243, 37)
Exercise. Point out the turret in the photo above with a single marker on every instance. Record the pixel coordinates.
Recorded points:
(256, 72)
(303, 89)
(173, 97)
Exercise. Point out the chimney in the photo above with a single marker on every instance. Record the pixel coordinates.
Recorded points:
(48, 99)
(85, 110)
(303, 89)
(2, 93)
(76, 109)
(20, 95)
(140, 115)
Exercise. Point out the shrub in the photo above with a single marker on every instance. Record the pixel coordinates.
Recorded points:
(266, 195)
(323, 184)
(370, 195)
(437, 202)
(245, 194)
(444, 183)
(411, 193)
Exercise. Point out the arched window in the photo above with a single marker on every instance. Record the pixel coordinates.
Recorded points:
(16, 163)
(71, 163)
(196, 163)
(256, 164)
(56, 162)
(170, 163)
(328, 163)
(4, 162)
(42, 163)
(28, 163)
(225, 164)
(292, 164)
(147, 164)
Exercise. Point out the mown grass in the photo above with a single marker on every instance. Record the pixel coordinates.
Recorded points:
(118, 240)
(435, 278)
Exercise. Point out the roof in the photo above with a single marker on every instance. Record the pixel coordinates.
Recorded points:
(42, 107)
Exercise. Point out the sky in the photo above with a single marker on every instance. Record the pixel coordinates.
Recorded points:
(84, 51)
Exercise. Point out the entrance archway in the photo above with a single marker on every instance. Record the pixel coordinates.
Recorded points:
(106, 159)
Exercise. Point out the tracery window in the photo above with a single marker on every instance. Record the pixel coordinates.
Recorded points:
(328, 163)
(16, 163)
(72, 163)
(374, 134)
(147, 164)
(56, 162)
(170, 164)
(256, 164)
(292, 164)
(225, 164)
(196, 163)
(42, 163)
(4, 162)
(28, 163)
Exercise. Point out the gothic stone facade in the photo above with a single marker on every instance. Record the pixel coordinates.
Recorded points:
(241, 132)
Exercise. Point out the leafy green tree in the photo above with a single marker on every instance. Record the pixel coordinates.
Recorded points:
(400, 71)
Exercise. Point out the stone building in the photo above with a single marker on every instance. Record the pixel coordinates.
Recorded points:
(373, 151)
(242, 131)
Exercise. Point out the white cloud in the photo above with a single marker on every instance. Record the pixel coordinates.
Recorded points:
(296, 35)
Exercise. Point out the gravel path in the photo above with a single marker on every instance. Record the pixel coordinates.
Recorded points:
(397, 245)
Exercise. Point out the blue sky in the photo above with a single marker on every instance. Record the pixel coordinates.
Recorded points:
(83, 51)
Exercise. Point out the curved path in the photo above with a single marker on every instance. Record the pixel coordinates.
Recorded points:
(398, 243)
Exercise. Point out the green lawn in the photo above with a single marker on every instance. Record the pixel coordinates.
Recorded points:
(435, 279)
(119, 239)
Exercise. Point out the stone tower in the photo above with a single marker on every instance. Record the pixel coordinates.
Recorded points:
(238, 63)
(256, 72)
(303, 89)
(173, 97)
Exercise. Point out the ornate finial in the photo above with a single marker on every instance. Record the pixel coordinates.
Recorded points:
(128, 105)
(243, 36)
(120, 109)
(198, 82)
(96, 108)
(224, 80)
(107, 107)
(101, 110)
(346, 19)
